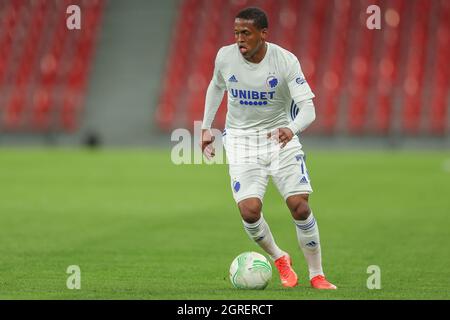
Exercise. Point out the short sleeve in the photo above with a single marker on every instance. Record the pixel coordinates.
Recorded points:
(217, 76)
(298, 86)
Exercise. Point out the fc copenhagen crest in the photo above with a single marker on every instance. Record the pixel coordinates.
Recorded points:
(271, 82)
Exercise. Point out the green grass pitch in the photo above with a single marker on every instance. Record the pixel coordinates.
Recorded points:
(140, 227)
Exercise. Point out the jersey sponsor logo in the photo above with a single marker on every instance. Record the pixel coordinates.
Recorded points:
(252, 98)
(300, 80)
(232, 79)
(254, 95)
(252, 103)
(271, 82)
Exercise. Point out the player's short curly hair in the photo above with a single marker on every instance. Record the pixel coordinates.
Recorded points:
(257, 15)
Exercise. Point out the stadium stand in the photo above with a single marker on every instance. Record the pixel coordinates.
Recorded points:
(44, 66)
(367, 82)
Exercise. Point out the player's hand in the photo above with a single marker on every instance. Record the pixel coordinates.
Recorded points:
(206, 144)
(281, 135)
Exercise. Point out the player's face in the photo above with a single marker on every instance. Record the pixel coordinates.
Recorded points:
(249, 38)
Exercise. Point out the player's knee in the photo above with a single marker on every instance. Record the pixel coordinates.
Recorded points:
(250, 210)
(301, 210)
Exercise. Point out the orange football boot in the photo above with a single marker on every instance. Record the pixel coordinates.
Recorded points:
(319, 282)
(287, 274)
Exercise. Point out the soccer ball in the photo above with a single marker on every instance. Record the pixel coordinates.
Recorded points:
(250, 270)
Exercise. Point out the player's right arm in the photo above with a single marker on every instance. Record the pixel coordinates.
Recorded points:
(214, 96)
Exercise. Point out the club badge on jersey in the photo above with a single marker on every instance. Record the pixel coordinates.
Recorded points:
(271, 82)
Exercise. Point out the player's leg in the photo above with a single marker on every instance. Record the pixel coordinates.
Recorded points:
(307, 232)
(292, 180)
(249, 183)
(257, 228)
(248, 162)
(308, 239)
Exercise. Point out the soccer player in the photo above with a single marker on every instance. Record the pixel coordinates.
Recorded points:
(269, 102)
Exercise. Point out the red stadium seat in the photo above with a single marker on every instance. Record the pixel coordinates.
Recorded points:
(415, 62)
(440, 76)
(13, 117)
(39, 56)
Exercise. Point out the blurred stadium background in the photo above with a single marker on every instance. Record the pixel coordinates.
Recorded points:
(139, 69)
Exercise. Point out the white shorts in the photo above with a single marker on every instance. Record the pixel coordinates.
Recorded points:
(252, 158)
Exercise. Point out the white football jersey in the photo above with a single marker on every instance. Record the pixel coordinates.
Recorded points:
(260, 95)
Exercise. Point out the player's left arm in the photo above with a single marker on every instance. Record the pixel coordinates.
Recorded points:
(302, 95)
(306, 115)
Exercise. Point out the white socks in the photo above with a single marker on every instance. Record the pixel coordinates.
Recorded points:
(259, 231)
(308, 240)
(307, 235)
